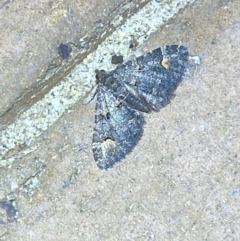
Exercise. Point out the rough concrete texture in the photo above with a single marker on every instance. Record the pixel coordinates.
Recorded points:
(31, 33)
(181, 182)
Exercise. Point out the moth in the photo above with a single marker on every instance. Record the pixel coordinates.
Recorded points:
(144, 84)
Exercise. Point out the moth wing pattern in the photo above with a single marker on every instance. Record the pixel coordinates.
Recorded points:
(155, 75)
(117, 130)
(140, 85)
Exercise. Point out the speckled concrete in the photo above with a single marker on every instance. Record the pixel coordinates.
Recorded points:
(180, 183)
(31, 33)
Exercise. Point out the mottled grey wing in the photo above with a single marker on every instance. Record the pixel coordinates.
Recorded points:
(117, 130)
(155, 75)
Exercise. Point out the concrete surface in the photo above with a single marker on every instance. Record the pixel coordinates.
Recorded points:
(181, 182)
(31, 33)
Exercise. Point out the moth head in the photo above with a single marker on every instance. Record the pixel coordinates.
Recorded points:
(107, 80)
(100, 75)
